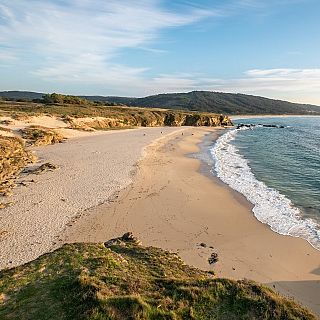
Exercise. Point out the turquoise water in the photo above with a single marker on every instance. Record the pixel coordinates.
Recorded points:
(278, 170)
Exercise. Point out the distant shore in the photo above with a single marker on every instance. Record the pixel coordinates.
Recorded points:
(239, 117)
(174, 205)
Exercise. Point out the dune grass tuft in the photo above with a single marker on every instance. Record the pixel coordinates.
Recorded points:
(13, 158)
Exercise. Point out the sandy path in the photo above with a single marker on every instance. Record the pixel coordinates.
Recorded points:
(173, 206)
(91, 169)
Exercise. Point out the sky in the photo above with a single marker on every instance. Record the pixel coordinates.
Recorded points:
(143, 47)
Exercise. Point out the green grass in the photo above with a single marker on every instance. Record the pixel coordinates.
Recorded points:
(89, 281)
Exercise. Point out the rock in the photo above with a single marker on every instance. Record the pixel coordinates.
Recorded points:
(121, 241)
(114, 242)
(213, 258)
(43, 168)
(128, 237)
(202, 244)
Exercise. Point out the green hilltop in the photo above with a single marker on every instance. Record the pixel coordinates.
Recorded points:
(123, 280)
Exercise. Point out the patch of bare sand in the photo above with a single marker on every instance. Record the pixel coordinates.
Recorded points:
(89, 171)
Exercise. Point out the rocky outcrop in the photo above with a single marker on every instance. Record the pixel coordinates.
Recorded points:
(148, 118)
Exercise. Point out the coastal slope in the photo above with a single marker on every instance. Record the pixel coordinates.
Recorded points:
(123, 280)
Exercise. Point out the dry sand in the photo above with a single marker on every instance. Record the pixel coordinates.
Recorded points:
(173, 205)
(91, 170)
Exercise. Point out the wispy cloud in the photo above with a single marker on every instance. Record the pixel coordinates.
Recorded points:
(77, 43)
(76, 38)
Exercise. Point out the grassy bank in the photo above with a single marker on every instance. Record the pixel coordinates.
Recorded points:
(128, 281)
(101, 117)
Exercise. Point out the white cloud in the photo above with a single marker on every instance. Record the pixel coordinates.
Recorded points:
(83, 37)
(75, 42)
(301, 85)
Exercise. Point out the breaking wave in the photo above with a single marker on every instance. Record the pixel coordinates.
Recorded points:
(270, 206)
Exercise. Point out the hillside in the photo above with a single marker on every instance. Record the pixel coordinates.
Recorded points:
(205, 101)
(123, 280)
(227, 103)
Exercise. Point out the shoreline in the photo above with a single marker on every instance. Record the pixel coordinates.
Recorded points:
(173, 205)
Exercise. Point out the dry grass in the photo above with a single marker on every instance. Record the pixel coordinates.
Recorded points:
(106, 117)
(13, 158)
(40, 136)
(5, 129)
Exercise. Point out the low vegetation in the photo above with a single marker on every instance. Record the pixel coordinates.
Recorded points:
(127, 281)
(13, 158)
(40, 136)
(84, 116)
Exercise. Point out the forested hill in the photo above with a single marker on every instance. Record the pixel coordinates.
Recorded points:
(216, 102)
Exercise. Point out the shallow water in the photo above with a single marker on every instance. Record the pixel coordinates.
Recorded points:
(278, 170)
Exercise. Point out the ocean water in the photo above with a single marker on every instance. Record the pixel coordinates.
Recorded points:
(277, 170)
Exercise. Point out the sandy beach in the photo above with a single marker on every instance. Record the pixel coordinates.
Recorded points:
(176, 204)
(92, 167)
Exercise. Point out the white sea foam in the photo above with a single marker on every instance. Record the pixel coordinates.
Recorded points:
(270, 206)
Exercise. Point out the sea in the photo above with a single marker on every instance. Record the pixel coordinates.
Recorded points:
(277, 169)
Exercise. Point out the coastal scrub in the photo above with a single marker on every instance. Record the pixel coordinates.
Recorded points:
(127, 281)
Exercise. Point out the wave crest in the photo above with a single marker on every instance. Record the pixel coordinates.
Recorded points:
(270, 206)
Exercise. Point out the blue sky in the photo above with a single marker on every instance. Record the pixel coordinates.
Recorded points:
(136, 48)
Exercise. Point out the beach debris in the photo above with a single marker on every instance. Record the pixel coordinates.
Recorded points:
(213, 258)
(4, 205)
(25, 183)
(128, 237)
(202, 244)
(3, 234)
(42, 168)
(6, 122)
